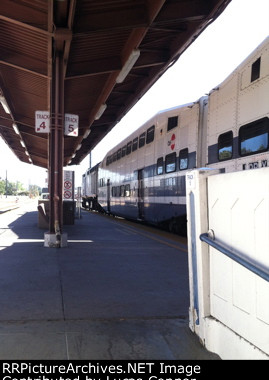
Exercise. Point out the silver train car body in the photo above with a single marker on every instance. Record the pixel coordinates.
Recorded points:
(89, 188)
(143, 177)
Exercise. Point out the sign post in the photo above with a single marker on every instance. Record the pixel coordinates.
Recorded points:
(69, 204)
(68, 185)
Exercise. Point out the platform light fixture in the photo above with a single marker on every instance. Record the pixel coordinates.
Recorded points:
(78, 147)
(16, 129)
(129, 64)
(4, 104)
(86, 134)
(100, 111)
(23, 144)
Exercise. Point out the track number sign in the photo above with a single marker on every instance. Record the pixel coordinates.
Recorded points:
(42, 121)
(70, 124)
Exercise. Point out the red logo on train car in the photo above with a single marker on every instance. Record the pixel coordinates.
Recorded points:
(172, 142)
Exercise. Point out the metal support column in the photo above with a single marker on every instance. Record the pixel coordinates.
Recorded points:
(56, 146)
(61, 19)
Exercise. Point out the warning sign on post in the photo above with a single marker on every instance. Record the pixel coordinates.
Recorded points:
(67, 194)
(42, 121)
(68, 185)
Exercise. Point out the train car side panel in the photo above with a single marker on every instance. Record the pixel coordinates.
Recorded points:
(238, 118)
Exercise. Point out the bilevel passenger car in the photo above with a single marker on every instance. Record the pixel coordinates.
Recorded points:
(143, 177)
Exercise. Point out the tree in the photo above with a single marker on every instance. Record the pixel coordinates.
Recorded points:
(12, 188)
(2, 186)
(34, 191)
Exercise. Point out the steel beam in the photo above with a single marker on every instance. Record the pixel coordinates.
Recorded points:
(56, 142)
(60, 22)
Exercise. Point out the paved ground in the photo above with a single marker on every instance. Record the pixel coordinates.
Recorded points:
(116, 292)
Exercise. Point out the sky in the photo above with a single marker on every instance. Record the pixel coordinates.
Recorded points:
(206, 63)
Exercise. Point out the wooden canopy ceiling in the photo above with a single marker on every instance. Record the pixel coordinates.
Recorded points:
(99, 38)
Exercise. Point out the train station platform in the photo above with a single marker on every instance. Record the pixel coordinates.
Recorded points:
(118, 291)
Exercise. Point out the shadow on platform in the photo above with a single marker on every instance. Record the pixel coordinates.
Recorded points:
(113, 293)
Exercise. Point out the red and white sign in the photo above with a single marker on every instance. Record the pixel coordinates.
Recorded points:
(42, 121)
(68, 185)
(71, 124)
(67, 194)
(172, 142)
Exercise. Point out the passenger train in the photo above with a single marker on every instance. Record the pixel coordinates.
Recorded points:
(143, 177)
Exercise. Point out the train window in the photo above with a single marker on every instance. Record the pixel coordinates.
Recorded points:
(129, 147)
(118, 154)
(253, 137)
(255, 70)
(172, 123)
(113, 191)
(107, 161)
(142, 139)
(117, 191)
(170, 163)
(122, 190)
(114, 156)
(127, 191)
(160, 166)
(123, 151)
(150, 134)
(135, 144)
(183, 159)
(225, 146)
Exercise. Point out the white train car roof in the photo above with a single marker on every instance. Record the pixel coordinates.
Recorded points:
(248, 62)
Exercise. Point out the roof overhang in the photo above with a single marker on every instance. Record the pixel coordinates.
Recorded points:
(113, 52)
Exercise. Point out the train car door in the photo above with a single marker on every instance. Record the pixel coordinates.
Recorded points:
(141, 194)
(108, 195)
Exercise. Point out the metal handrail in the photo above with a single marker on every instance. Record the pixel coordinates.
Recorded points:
(250, 265)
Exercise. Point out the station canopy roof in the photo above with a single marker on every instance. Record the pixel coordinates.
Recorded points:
(114, 50)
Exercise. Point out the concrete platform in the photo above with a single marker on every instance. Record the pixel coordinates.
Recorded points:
(118, 291)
